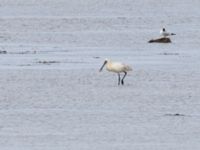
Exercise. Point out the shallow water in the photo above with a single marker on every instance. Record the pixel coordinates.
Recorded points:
(53, 97)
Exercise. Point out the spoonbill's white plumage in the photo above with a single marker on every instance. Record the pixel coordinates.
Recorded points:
(116, 67)
(164, 33)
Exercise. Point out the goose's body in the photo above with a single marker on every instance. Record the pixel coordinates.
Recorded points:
(116, 67)
(164, 33)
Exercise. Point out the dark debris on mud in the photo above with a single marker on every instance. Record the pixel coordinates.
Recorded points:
(176, 115)
(3, 52)
(24, 52)
(48, 62)
(170, 54)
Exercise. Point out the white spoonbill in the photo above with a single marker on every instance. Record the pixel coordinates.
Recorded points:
(164, 33)
(116, 67)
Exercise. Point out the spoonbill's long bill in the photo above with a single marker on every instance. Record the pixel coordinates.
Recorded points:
(164, 33)
(116, 67)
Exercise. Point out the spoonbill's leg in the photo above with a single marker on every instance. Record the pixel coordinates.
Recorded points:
(119, 79)
(125, 73)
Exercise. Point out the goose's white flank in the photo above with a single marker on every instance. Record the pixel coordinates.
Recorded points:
(164, 33)
(116, 67)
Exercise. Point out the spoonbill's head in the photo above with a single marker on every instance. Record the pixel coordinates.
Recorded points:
(105, 62)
